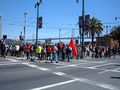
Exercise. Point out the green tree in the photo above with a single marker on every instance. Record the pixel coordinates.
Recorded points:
(95, 28)
(115, 32)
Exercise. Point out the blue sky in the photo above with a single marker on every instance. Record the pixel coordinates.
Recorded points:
(57, 14)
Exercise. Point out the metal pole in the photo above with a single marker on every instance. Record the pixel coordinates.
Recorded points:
(59, 35)
(37, 23)
(106, 30)
(80, 35)
(0, 26)
(83, 28)
(25, 28)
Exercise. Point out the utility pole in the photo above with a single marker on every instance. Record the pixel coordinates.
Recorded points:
(0, 26)
(37, 6)
(59, 35)
(80, 35)
(83, 27)
(25, 14)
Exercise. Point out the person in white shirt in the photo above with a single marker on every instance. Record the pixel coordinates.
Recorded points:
(17, 47)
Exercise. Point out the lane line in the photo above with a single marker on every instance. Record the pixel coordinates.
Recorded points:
(113, 70)
(13, 60)
(99, 84)
(96, 66)
(59, 73)
(54, 85)
(104, 70)
(37, 67)
(2, 64)
(72, 65)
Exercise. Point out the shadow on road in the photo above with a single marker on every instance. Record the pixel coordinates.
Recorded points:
(117, 65)
(115, 77)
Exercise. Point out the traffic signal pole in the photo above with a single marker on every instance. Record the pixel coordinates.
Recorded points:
(37, 6)
(0, 26)
(83, 27)
(25, 28)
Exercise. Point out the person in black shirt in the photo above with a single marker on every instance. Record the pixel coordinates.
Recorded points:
(2, 48)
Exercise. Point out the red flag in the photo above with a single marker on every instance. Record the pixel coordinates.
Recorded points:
(73, 46)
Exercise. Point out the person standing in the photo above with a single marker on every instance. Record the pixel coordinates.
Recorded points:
(114, 52)
(21, 50)
(17, 48)
(63, 53)
(54, 53)
(27, 49)
(68, 53)
(38, 52)
(3, 48)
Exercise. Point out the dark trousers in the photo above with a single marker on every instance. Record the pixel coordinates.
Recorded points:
(28, 55)
(3, 54)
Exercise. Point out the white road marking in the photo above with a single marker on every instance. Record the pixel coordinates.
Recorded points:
(59, 73)
(37, 67)
(101, 65)
(43, 69)
(13, 60)
(54, 85)
(113, 70)
(117, 69)
(103, 71)
(99, 84)
(9, 63)
(83, 80)
(73, 65)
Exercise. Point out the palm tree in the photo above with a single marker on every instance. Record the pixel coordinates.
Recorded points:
(115, 32)
(95, 27)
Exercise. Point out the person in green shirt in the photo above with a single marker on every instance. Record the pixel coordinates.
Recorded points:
(38, 51)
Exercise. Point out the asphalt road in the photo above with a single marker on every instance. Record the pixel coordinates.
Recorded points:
(87, 74)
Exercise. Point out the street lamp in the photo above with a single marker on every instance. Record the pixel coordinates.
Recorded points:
(25, 14)
(37, 6)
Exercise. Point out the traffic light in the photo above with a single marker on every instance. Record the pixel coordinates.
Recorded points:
(4, 37)
(40, 22)
(76, 41)
(80, 21)
(21, 38)
(87, 20)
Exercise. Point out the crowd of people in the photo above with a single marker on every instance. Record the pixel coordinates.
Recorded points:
(57, 52)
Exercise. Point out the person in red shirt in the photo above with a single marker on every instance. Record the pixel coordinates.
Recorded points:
(27, 49)
(48, 50)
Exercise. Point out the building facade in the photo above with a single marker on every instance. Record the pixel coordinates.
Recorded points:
(107, 40)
